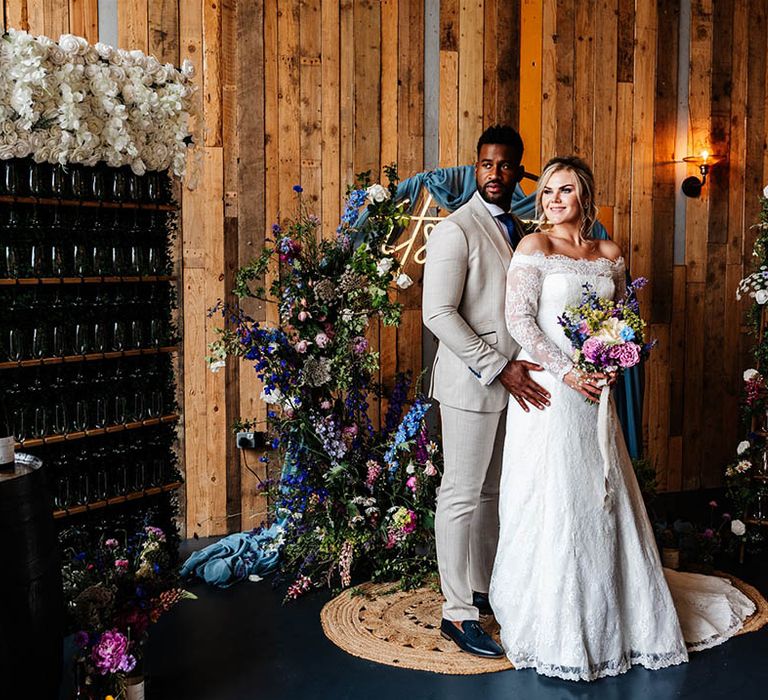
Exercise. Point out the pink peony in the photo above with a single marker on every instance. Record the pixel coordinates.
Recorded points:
(304, 315)
(121, 563)
(593, 349)
(111, 543)
(325, 404)
(322, 340)
(411, 483)
(111, 655)
(302, 345)
(627, 354)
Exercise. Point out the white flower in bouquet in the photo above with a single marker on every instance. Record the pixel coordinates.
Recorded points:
(738, 528)
(377, 193)
(273, 397)
(404, 281)
(765, 192)
(750, 374)
(743, 466)
(384, 266)
(411, 468)
(743, 447)
(761, 296)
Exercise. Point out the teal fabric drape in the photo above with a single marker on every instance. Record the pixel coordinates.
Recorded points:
(452, 187)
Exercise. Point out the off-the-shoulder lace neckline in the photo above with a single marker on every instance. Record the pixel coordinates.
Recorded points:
(558, 256)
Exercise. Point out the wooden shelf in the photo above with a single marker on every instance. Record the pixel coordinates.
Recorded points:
(47, 201)
(91, 432)
(87, 358)
(33, 281)
(97, 505)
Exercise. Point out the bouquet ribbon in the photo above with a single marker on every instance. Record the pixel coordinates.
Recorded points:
(603, 442)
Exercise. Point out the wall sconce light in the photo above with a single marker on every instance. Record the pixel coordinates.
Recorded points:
(692, 185)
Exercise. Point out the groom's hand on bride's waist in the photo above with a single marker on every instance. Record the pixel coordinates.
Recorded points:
(517, 381)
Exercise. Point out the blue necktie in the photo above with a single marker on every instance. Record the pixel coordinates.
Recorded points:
(509, 223)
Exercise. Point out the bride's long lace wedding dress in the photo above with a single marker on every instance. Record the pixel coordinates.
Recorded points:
(577, 587)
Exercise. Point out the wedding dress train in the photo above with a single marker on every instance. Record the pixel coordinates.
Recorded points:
(577, 587)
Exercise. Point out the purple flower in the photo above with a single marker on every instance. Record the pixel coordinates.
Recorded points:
(81, 639)
(111, 655)
(298, 189)
(594, 350)
(627, 354)
(359, 345)
(110, 543)
(709, 533)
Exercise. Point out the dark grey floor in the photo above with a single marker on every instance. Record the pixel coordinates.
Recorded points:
(241, 643)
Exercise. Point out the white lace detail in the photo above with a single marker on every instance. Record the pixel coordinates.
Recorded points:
(523, 287)
(578, 589)
(653, 662)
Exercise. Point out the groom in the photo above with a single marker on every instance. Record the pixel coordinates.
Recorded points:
(474, 373)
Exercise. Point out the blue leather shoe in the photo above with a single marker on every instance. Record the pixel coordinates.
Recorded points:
(481, 602)
(471, 638)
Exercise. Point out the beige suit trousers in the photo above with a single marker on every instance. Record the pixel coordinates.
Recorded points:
(467, 517)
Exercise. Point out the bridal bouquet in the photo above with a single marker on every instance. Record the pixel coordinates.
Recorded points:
(607, 335)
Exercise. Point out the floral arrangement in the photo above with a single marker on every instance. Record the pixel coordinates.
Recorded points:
(746, 475)
(607, 336)
(114, 593)
(352, 497)
(70, 102)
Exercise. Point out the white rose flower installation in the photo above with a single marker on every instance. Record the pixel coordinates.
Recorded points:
(70, 102)
(738, 528)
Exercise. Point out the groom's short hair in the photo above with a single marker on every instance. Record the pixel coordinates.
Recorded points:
(503, 134)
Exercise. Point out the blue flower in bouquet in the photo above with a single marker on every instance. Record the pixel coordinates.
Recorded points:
(409, 426)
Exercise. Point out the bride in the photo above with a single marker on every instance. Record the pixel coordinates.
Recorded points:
(577, 585)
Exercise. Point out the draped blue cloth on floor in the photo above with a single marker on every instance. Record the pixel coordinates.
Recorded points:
(235, 557)
(452, 187)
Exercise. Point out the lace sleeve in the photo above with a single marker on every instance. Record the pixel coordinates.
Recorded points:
(523, 289)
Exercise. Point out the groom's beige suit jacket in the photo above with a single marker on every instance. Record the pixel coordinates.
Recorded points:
(463, 305)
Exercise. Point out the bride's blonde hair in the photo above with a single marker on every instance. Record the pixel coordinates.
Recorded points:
(585, 192)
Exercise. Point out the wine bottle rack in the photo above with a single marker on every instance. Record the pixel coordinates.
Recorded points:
(88, 347)
(36, 281)
(51, 202)
(133, 496)
(87, 357)
(93, 432)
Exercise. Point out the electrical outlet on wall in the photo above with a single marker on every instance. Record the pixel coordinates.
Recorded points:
(246, 440)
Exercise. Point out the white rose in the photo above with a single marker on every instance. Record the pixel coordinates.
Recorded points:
(187, 69)
(765, 192)
(761, 296)
(750, 374)
(104, 50)
(403, 281)
(738, 528)
(742, 447)
(384, 265)
(74, 45)
(377, 193)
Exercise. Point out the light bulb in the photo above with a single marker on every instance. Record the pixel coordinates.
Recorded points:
(704, 155)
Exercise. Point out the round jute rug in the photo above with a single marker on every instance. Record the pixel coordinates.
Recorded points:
(379, 623)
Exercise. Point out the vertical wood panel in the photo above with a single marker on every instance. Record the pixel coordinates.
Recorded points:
(367, 29)
(330, 142)
(470, 77)
(56, 17)
(133, 24)
(606, 30)
(84, 19)
(664, 184)
(584, 80)
(16, 14)
(565, 52)
(548, 129)
(311, 77)
(389, 83)
(163, 25)
(531, 82)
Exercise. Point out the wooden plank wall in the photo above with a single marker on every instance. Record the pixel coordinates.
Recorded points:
(312, 91)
